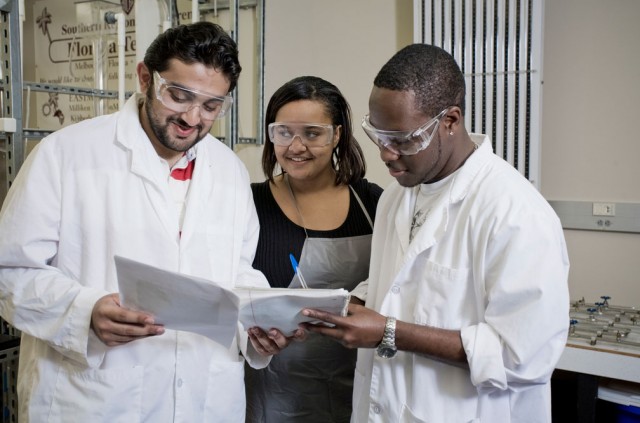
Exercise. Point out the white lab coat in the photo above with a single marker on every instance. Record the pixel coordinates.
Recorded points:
(98, 189)
(491, 261)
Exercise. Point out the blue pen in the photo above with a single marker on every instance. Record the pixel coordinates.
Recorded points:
(297, 271)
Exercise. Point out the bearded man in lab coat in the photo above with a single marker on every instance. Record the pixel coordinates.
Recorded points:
(466, 305)
(150, 184)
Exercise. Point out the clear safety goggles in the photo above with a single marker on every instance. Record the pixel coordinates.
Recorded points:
(404, 143)
(310, 134)
(181, 99)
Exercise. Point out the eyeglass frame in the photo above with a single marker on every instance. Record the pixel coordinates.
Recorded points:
(409, 136)
(226, 100)
(331, 126)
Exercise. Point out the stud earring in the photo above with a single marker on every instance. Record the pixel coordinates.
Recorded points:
(450, 133)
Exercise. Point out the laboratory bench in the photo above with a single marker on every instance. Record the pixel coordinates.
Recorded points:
(597, 379)
(597, 374)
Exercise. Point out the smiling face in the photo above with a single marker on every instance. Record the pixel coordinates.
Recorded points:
(396, 111)
(172, 133)
(297, 160)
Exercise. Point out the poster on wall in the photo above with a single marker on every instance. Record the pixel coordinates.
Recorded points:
(76, 48)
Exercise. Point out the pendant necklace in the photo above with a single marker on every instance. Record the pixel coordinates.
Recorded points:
(420, 215)
(295, 204)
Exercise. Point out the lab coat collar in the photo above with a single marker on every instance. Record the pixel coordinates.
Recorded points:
(466, 175)
(435, 225)
(146, 163)
(431, 230)
(131, 135)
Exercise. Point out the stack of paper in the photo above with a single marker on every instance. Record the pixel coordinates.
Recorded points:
(280, 307)
(188, 303)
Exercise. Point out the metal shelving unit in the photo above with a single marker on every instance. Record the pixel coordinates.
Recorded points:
(66, 89)
(11, 145)
(232, 137)
(13, 137)
(11, 157)
(30, 133)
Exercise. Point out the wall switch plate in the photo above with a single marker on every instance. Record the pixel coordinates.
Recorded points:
(604, 209)
(613, 217)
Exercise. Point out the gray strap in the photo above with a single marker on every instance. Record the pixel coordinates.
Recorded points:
(364, 209)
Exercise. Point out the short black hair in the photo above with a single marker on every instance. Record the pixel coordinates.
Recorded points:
(348, 159)
(200, 42)
(430, 72)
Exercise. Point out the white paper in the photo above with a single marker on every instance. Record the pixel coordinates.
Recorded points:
(281, 308)
(183, 302)
(177, 301)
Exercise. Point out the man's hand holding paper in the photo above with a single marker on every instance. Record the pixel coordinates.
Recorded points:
(182, 302)
(281, 308)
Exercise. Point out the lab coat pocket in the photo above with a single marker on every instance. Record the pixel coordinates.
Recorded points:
(407, 416)
(444, 296)
(111, 395)
(227, 404)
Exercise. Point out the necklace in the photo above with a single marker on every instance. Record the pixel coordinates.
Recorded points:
(418, 219)
(420, 214)
(295, 204)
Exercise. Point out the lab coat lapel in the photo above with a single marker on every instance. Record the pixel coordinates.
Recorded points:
(436, 223)
(429, 233)
(432, 230)
(402, 219)
(146, 164)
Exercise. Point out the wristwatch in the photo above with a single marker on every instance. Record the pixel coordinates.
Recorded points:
(387, 347)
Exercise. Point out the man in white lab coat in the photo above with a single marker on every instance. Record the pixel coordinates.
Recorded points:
(466, 305)
(150, 184)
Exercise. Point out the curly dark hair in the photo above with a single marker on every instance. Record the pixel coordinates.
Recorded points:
(430, 72)
(200, 42)
(348, 159)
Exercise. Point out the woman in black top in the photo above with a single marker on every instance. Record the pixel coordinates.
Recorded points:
(318, 207)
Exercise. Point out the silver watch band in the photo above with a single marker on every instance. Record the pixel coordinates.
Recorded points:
(389, 335)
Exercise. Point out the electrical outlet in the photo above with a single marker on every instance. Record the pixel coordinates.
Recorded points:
(604, 209)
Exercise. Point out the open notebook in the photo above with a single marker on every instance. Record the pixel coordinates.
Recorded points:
(188, 303)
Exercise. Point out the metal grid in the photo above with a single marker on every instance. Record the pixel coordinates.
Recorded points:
(11, 148)
(11, 157)
(9, 371)
(605, 327)
(498, 45)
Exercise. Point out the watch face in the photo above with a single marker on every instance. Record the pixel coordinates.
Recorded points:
(387, 352)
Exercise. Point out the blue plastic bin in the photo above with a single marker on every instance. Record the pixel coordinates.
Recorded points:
(628, 414)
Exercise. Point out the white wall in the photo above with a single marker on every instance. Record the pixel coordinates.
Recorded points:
(591, 97)
(344, 42)
(590, 148)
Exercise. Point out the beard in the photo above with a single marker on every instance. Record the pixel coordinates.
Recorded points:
(161, 129)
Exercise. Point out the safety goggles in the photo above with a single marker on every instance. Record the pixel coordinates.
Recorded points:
(310, 134)
(181, 99)
(403, 143)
